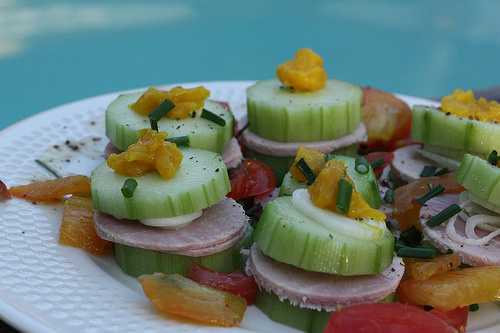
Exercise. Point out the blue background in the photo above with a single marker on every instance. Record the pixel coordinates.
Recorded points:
(52, 52)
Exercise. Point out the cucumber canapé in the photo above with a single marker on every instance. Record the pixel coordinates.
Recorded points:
(337, 246)
(123, 124)
(200, 182)
(280, 114)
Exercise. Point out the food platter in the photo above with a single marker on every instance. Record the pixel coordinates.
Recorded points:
(45, 287)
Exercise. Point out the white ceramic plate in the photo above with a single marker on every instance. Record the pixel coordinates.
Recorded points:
(45, 287)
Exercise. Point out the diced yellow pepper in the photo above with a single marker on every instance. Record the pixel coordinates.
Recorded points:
(304, 73)
(314, 159)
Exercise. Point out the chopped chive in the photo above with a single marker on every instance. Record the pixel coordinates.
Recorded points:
(441, 171)
(435, 191)
(377, 163)
(417, 252)
(389, 196)
(428, 171)
(444, 215)
(213, 117)
(306, 171)
(473, 307)
(48, 168)
(361, 165)
(179, 140)
(344, 196)
(129, 187)
(165, 107)
(493, 158)
(412, 236)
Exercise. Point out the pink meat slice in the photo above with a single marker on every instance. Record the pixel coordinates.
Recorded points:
(231, 155)
(220, 227)
(318, 291)
(269, 147)
(474, 255)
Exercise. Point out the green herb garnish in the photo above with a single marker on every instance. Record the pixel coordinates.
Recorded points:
(361, 165)
(412, 236)
(306, 171)
(179, 140)
(473, 307)
(428, 171)
(48, 168)
(129, 187)
(154, 117)
(435, 191)
(417, 252)
(213, 117)
(389, 196)
(344, 195)
(444, 215)
(493, 158)
(377, 163)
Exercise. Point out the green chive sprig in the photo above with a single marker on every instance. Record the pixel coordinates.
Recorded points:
(493, 158)
(433, 192)
(428, 171)
(154, 117)
(389, 196)
(208, 115)
(179, 140)
(411, 236)
(473, 307)
(444, 215)
(48, 168)
(361, 165)
(344, 195)
(306, 171)
(377, 163)
(421, 252)
(129, 187)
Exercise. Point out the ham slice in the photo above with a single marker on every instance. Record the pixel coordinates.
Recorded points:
(474, 255)
(320, 291)
(220, 227)
(275, 148)
(231, 155)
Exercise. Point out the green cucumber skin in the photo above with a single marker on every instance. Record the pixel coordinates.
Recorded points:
(281, 164)
(452, 134)
(123, 124)
(365, 184)
(306, 320)
(196, 186)
(480, 178)
(280, 115)
(316, 248)
(135, 261)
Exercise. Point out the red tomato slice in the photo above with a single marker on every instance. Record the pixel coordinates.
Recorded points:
(386, 318)
(252, 178)
(456, 318)
(235, 283)
(380, 155)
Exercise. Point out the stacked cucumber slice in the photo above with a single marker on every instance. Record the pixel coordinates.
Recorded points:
(201, 181)
(280, 115)
(123, 124)
(452, 136)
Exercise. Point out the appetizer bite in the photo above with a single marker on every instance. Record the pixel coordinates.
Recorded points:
(303, 108)
(462, 124)
(324, 247)
(190, 118)
(164, 208)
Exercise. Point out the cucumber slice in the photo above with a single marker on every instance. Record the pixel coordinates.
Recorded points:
(136, 261)
(452, 133)
(281, 164)
(278, 114)
(481, 179)
(123, 124)
(365, 184)
(306, 320)
(438, 155)
(200, 182)
(310, 321)
(315, 247)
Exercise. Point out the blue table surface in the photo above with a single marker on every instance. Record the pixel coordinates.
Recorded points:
(53, 52)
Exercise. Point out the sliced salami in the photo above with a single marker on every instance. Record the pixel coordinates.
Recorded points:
(275, 148)
(474, 255)
(322, 291)
(220, 227)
